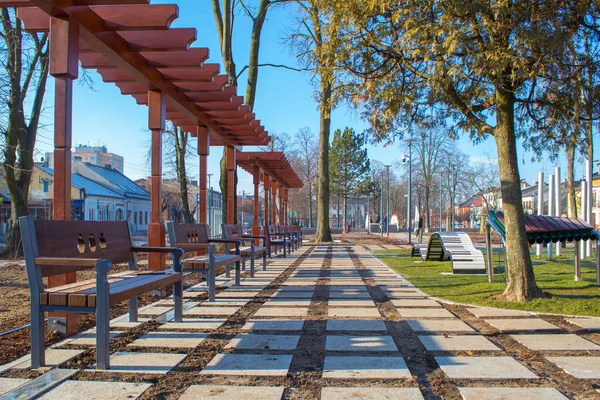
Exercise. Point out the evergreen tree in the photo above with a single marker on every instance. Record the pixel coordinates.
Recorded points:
(349, 165)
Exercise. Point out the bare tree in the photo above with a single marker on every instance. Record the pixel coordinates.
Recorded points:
(306, 147)
(25, 61)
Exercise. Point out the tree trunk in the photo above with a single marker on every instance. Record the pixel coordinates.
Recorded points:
(571, 203)
(310, 205)
(521, 284)
(427, 225)
(323, 231)
(223, 184)
(181, 139)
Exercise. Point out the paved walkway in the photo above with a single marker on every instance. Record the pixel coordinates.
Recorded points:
(329, 323)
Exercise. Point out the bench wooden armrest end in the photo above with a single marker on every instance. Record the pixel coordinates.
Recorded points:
(66, 261)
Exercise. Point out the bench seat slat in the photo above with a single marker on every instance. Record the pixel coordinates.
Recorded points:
(201, 262)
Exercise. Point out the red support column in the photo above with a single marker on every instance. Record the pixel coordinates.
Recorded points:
(231, 195)
(281, 210)
(64, 67)
(156, 229)
(267, 187)
(255, 181)
(203, 152)
(286, 219)
(274, 201)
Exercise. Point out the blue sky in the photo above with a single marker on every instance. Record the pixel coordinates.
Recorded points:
(284, 103)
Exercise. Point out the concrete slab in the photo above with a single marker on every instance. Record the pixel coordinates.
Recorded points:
(224, 302)
(355, 325)
(254, 341)
(360, 343)
(8, 384)
(348, 288)
(503, 393)
(155, 310)
(485, 312)
(220, 311)
(350, 295)
(439, 325)
(419, 313)
(248, 364)
(281, 312)
(274, 325)
(95, 390)
(143, 363)
(351, 303)
(457, 343)
(579, 367)
(279, 302)
(232, 294)
(54, 357)
(483, 368)
(370, 393)
(591, 324)
(227, 392)
(293, 295)
(354, 312)
(171, 340)
(196, 324)
(364, 367)
(415, 303)
(555, 342)
(88, 338)
(521, 324)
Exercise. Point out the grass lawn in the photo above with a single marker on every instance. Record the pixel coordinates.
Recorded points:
(555, 277)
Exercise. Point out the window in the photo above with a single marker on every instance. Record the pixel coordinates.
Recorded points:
(146, 218)
(90, 215)
(46, 183)
(135, 219)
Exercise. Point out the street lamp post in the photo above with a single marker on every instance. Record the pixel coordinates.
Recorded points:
(453, 195)
(387, 220)
(408, 211)
(210, 196)
(440, 202)
(381, 209)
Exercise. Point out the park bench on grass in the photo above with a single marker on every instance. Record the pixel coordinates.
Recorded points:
(236, 232)
(196, 237)
(58, 247)
(275, 240)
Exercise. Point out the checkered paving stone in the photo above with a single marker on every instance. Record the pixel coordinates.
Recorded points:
(331, 318)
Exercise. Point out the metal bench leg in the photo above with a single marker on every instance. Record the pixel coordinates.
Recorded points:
(102, 316)
(178, 300)
(210, 282)
(252, 262)
(284, 246)
(265, 261)
(238, 272)
(38, 345)
(243, 264)
(133, 309)
(227, 273)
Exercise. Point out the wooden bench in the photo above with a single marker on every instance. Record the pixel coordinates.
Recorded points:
(293, 237)
(236, 232)
(275, 241)
(298, 231)
(58, 247)
(196, 237)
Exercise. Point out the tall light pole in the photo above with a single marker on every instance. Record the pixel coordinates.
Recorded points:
(210, 198)
(441, 202)
(242, 207)
(408, 211)
(387, 219)
(453, 195)
(381, 209)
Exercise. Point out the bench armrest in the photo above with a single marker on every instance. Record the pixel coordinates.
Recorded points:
(66, 261)
(264, 238)
(154, 249)
(237, 243)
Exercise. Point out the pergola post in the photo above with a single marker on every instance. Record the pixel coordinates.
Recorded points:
(286, 213)
(274, 201)
(203, 152)
(255, 181)
(267, 187)
(156, 229)
(64, 67)
(281, 206)
(231, 195)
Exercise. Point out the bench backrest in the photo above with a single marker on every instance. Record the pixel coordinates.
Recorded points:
(74, 239)
(270, 231)
(295, 229)
(190, 237)
(232, 231)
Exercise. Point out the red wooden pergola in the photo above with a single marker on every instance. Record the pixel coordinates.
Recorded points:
(131, 44)
(278, 177)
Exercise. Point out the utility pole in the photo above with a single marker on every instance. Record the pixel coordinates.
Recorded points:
(453, 196)
(441, 202)
(409, 141)
(387, 220)
(381, 209)
(243, 198)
